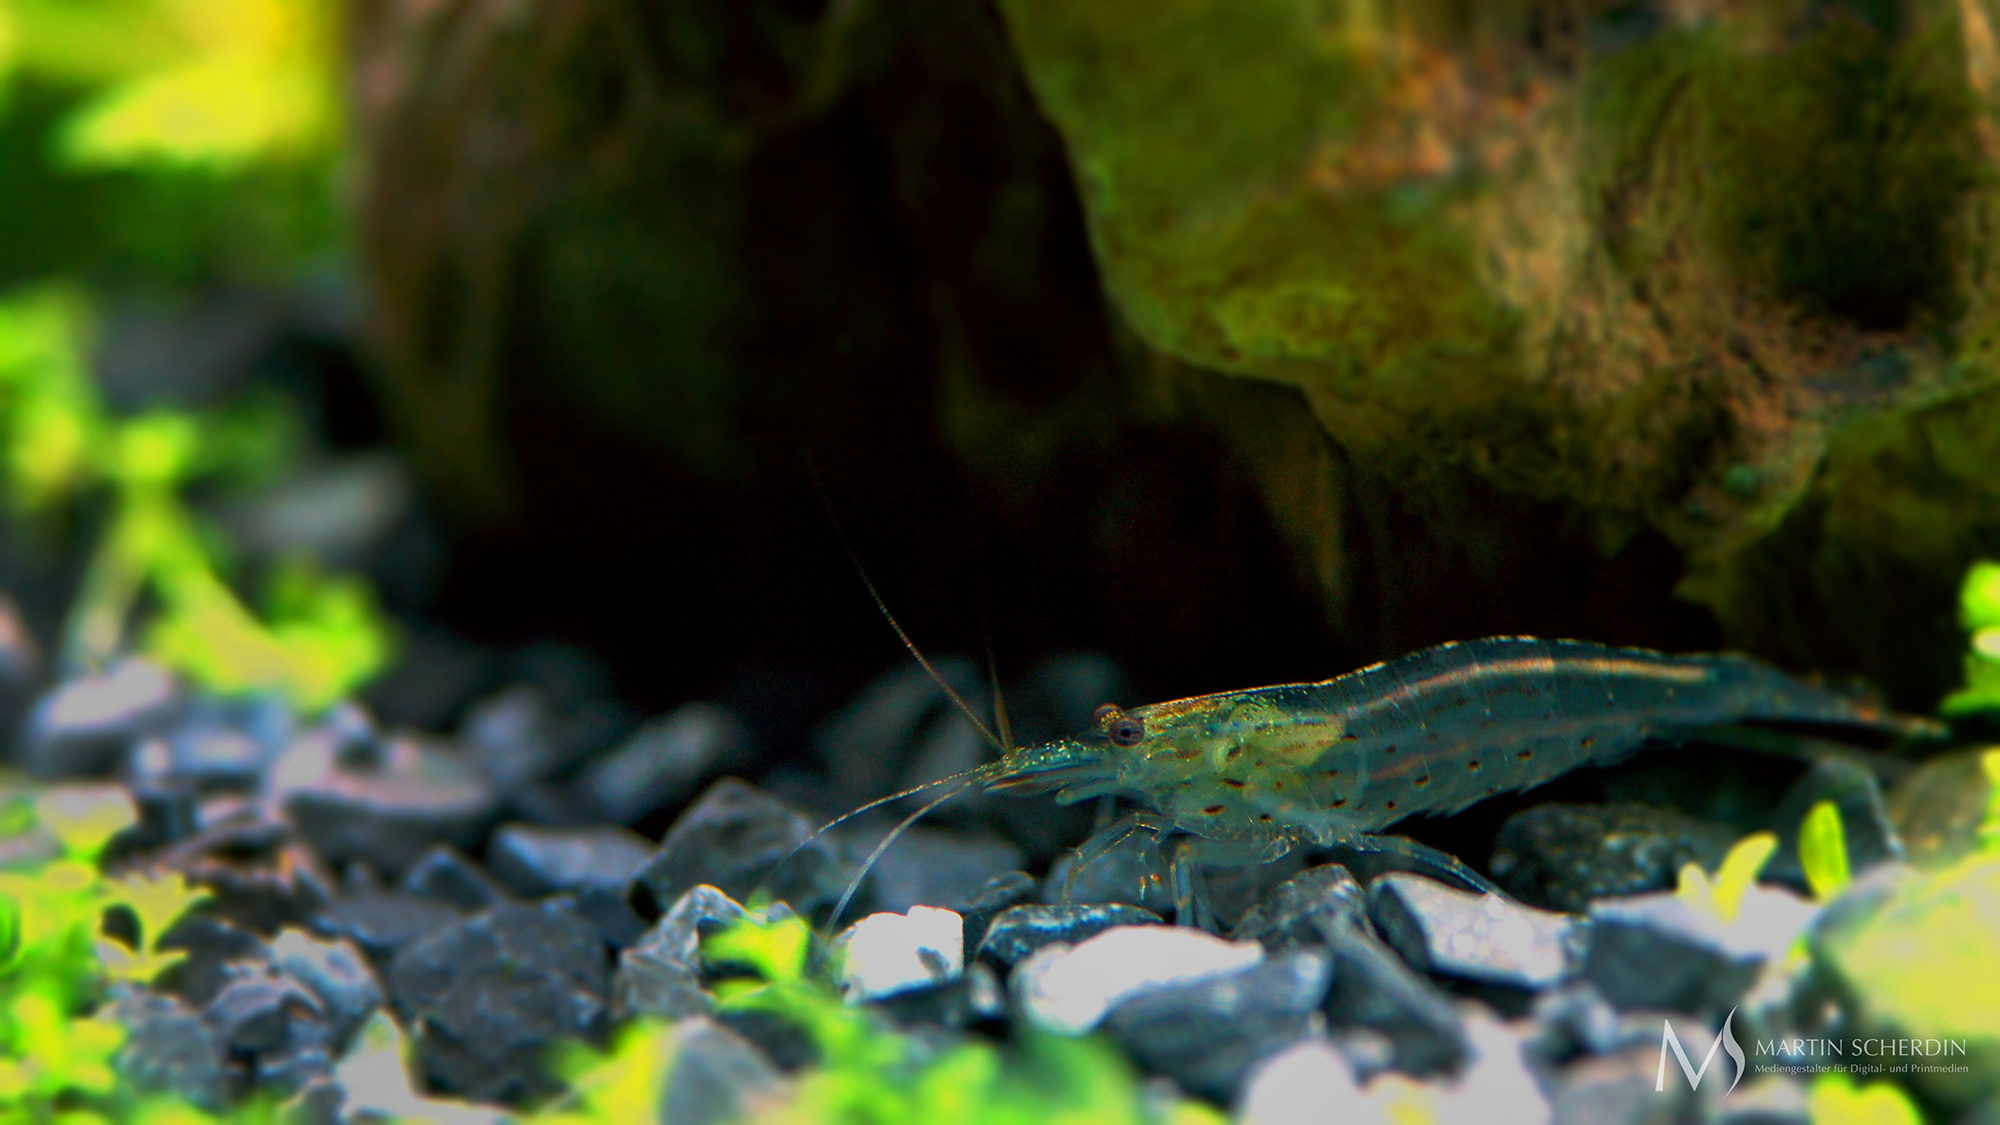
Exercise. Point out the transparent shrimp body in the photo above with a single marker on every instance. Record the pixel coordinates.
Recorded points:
(1251, 774)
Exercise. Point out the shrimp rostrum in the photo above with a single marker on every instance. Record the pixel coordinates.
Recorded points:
(1242, 777)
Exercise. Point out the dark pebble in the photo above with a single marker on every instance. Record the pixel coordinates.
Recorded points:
(534, 861)
(718, 1076)
(734, 837)
(663, 761)
(1296, 912)
(388, 817)
(489, 996)
(444, 875)
(169, 1050)
(1561, 857)
(1207, 1034)
(1655, 952)
(1020, 930)
(1374, 990)
(382, 924)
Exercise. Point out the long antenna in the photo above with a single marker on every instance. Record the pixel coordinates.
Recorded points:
(847, 545)
(867, 865)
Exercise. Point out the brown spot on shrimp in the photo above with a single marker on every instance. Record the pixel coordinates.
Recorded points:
(1234, 783)
(1213, 810)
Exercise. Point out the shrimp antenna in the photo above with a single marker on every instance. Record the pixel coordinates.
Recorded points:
(867, 865)
(993, 678)
(966, 776)
(854, 557)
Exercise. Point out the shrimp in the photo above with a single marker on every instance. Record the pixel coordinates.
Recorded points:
(1248, 776)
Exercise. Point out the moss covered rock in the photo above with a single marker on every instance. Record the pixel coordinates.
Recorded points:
(1642, 261)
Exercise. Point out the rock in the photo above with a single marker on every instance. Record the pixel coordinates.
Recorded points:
(375, 1076)
(1440, 929)
(887, 953)
(926, 867)
(1009, 888)
(1307, 1083)
(1618, 1089)
(650, 983)
(336, 973)
(218, 952)
(1132, 871)
(1938, 808)
(1656, 951)
(973, 996)
(871, 745)
(663, 971)
(609, 911)
(442, 874)
(1864, 820)
(168, 1049)
(509, 737)
(1376, 991)
(87, 726)
(699, 913)
(1298, 911)
(1563, 857)
(383, 924)
(662, 762)
(1207, 1033)
(734, 838)
(229, 743)
(1019, 931)
(388, 817)
(1069, 988)
(1576, 1019)
(491, 994)
(253, 1013)
(535, 861)
(436, 677)
(717, 1077)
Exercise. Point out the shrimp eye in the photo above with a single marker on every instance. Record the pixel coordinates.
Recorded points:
(1127, 731)
(1103, 715)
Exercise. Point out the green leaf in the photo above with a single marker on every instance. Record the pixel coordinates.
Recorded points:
(1823, 851)
(1979, 596)
(777, 950)
(1836, 1100)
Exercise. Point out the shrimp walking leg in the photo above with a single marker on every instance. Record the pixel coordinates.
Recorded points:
(1425, 859)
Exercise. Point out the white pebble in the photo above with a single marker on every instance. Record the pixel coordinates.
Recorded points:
(1068, 988)
(887, 953)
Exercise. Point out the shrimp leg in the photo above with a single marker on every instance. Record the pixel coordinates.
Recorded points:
(1426, 859)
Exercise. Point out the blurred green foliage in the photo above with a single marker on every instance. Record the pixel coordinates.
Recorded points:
(1979, 613)
(318, 638)
(56, 1046)
(868, 1073)
(168, 141)
(1823, 851)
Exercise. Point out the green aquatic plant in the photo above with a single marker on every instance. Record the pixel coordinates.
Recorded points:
(56, 1044)
(868, 1074)
(319, 636)
(1722, 894)
(217, 84)
(1979, 614)
(1823, 851)
(1836, 1100)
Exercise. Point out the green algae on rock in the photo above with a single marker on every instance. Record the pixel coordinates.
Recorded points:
(1644, 262)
